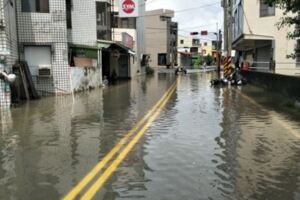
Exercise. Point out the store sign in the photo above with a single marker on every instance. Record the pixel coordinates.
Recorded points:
(128, 8)
(127, 40)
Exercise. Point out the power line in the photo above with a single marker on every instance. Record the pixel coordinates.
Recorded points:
(183, 10)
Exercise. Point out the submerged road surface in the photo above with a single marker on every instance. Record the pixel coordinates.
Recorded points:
(160, 138)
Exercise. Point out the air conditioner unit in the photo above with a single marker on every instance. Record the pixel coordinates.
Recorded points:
(45, 71)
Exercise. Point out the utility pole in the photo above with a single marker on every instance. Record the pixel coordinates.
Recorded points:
(225, 7)
(229, 19)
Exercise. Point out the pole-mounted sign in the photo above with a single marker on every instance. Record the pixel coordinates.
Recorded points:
(128, 8)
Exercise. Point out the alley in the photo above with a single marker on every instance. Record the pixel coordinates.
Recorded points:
(203, 143)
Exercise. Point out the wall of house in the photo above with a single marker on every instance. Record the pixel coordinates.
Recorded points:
(157, 34)
(39, 29)
(134, 65)
(266, 26)
(8, 47)
(84, 25)
(83, 78)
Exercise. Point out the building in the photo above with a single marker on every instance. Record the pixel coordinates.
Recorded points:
(129, 33)
(161, 35)
(257, 39)
(190, 47)
(68, 46)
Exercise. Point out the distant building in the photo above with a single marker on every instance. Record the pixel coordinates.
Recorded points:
(161, 37)
(195, 46)
(257, 40)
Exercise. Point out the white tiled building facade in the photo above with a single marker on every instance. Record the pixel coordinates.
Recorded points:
(46, 31)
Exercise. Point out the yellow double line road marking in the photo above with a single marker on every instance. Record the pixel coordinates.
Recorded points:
(142, 125)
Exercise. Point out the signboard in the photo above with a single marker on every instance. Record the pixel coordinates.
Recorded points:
(127, 40)
(128, 8)
(204, 32)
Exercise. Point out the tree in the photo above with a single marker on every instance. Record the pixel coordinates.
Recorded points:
(291, 18)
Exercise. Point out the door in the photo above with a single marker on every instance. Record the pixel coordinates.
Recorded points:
(124, 66)
(36, 56)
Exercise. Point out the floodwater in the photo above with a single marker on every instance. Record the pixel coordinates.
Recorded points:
(207, 143)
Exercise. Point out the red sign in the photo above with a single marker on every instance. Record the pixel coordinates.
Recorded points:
(127, 40)
(128, 6)
(204, 33)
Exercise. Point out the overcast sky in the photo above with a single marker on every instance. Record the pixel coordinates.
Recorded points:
(205, 13)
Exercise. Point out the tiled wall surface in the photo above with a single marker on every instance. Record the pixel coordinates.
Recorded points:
(8, 43)
(48, 29)
(84, 29)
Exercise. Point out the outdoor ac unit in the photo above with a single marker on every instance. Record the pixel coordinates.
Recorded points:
(44, 71)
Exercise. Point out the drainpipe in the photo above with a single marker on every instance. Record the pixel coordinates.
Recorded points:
(17, 30)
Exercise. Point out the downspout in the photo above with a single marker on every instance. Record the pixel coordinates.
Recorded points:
(17, 31)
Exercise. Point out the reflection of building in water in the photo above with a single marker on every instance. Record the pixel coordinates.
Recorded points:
(257, 157)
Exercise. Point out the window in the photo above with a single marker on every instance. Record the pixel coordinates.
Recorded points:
(205, 43)
(181, 41)
(194, 50)
(103, 14)
(41, 6)
(165, 18)
(162, 59)
(297, 52)
(196, 41)
(266, 9)
(69, 13)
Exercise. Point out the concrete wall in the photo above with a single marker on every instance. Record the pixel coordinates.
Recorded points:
(48, 29)
(274, 82)
(85, 78)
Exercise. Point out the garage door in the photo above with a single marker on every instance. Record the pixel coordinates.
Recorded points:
(36, 56)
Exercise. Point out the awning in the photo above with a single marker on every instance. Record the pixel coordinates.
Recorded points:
(103, 44)
(249, 41)
(84, 51)
(185, 53)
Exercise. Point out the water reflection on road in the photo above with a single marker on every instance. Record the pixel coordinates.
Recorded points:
(208, 143)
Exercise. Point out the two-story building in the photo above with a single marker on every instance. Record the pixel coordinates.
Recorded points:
(62, 41)
(161, 35)
(257, 39)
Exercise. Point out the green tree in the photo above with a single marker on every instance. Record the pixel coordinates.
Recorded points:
(291, 18)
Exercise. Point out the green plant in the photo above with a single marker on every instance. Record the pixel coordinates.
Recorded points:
(149, 70)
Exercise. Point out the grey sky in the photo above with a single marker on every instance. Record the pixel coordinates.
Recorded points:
(207, 16)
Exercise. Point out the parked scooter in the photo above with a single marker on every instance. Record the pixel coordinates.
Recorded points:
(235, 78)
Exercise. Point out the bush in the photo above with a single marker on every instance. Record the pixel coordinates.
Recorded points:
(149, 70)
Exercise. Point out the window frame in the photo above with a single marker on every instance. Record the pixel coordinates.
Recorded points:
(38, 7)
(266, 10)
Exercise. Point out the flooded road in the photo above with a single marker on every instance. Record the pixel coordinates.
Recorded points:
(206, 143)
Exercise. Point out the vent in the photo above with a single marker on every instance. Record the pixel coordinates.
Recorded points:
(45, 71)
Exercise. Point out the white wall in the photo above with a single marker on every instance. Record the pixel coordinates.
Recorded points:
(267, 26)
(84, 25)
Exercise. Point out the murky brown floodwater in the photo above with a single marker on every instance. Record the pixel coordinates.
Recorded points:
(208, 143)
